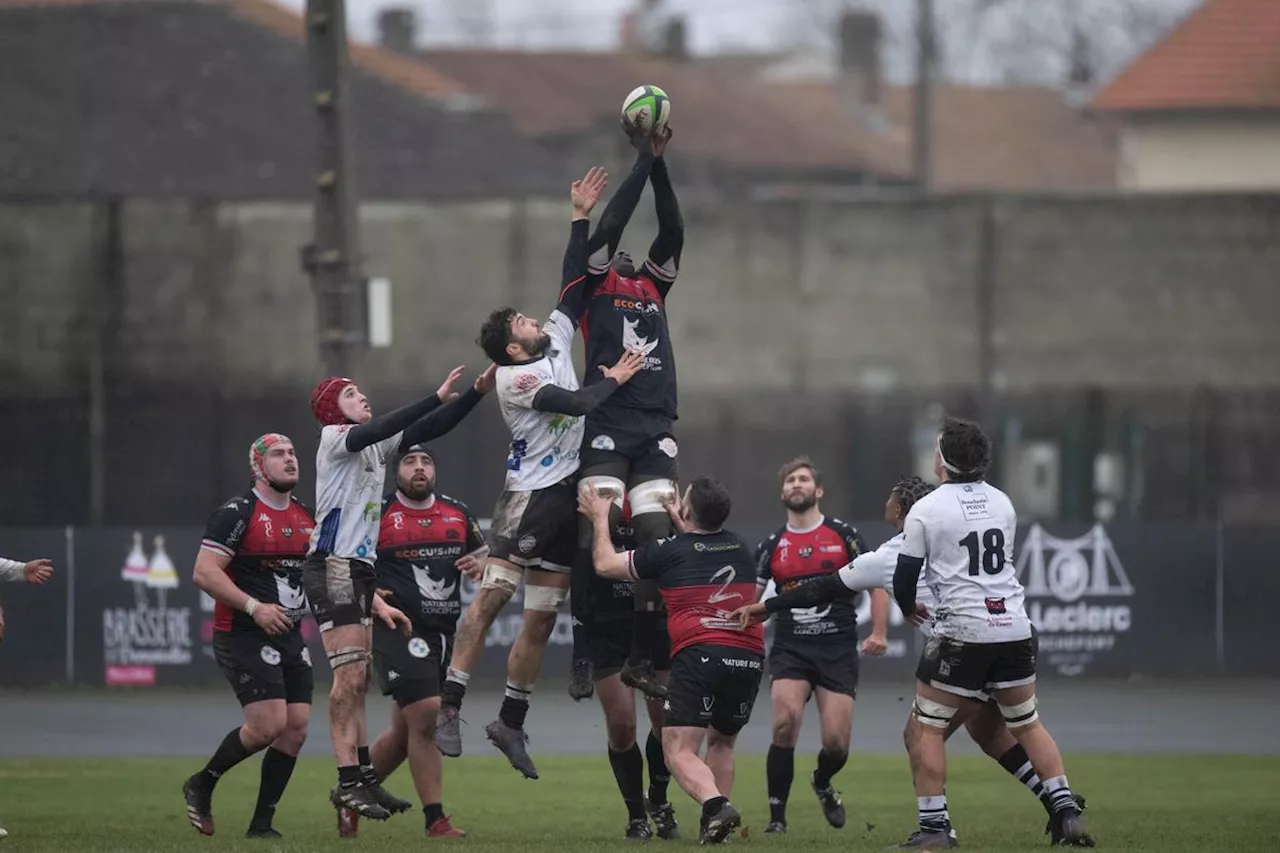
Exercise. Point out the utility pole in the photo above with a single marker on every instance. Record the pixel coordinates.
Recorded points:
(926, 55)
(333, 258)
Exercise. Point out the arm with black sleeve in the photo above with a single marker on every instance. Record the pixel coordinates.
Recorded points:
(617, 213)
(905, 578)
(664, 252)
(385, 426)
(824, 590)
(441, 420)
(561, 401)
(575, 287)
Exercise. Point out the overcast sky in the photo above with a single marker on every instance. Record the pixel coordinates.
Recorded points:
(981, 43)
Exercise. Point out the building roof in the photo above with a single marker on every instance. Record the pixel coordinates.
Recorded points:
(179, 98)
(1224, 55)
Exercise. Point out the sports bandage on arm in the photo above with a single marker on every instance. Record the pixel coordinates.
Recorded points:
(905, 578)
(12, 570)
(384, 426)
(824, 590)
(561, 401)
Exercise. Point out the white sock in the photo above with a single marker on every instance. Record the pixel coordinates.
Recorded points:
(933, 813)
(1060, 796)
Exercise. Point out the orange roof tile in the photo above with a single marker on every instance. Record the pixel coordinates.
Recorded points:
(1226, 54)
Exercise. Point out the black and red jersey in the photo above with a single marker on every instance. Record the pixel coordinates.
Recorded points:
(792, 557)
(266, 547)
(417, 549)
(619, 313)
(703, 577)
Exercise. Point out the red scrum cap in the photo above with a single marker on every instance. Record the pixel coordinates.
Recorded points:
(324, 400)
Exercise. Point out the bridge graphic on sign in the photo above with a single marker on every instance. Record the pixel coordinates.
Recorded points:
(1069, 569)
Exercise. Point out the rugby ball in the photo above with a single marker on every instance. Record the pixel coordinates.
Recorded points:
(647, 109)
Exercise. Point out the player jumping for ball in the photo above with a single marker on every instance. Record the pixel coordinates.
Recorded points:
(534, 531)
(629, 446)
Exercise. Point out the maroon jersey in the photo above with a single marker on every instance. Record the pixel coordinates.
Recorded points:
(417, 549)
(266, 546)
(703, 577)
(790, 558)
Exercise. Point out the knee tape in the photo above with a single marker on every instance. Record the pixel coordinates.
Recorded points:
(609, 487)
(347, 655)
(648, 496)
(501, 577)
(545, 598)
(931, 713)
(1022, 714)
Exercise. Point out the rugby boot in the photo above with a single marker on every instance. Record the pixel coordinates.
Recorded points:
(386, 799)
(832, 805)
(348, 824)
(1050, 826)
(931, 840)
(581, 685)
(638, 830)
(511, 743)
(262, 832)
(642, 677)
(720, 825)
(776, 827)
(199, 797)
(441, 828)
(359, 799)
(664, 820)
(449, 732)
(1068, 830)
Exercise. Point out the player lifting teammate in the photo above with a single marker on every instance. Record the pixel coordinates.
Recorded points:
(815, 650)
(702, 572)
(534, 523)
(874, 570)
(250, 563)
(608, 624)
(629, 447)
(426, 542)
(338, 573)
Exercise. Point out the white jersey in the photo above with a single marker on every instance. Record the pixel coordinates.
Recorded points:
(544, 445)
(349, 494)
(964, 532)
(874, 570)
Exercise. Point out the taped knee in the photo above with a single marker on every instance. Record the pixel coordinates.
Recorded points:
(652, 496)
(931, 713)
(501, 578)
(347, 655)
(544, 598)
(610, 487)
(1022, 714)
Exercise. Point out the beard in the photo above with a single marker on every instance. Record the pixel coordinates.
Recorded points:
(282, 487)
(540, 344)
(623, 265)
(801, 502)
(417, 490)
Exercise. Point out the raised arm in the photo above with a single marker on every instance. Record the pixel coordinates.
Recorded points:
(618, 211)
(664, 253)
(441, 420)
(385, 426)
(562, 401)
(574, 281)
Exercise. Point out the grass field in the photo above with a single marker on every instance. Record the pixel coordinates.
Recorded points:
(1165, 804)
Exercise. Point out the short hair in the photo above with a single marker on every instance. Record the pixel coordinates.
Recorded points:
(795, 465)
(908, 490)
(966, 448)
(709, 502)
(495, 334)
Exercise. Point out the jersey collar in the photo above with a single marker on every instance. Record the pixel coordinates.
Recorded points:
(821, 520)
(412, 504)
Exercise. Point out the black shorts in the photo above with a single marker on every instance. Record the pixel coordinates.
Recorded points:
(410, 669)
(339, 590)
(713, 686)
(831, 666)
(976, 670)
(261, 667)
(609, 646)
(644, 440)
(537, 529)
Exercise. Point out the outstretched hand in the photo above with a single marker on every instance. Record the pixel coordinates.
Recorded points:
(445, 392)
(486, 381)
(586, 192)
(37, 571)
(631, 363)
(752, 614)
(660, 140)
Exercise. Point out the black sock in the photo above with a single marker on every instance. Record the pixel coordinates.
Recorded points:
(643, 631)
(229, 753)
(829, 764)
(277, 767)
(780, 769)
(366, 765)
(350, 775)
(1018, 763)
(434, 812)
(713, 805)
(515, 704)
(579, 605)
(659, 774)
(451, 693)
(628, 770)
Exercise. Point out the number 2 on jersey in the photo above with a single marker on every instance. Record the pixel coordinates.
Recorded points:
(992, 551)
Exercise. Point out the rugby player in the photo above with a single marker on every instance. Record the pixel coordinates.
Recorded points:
(702, 572)
(629, 445)
(250, 564)
(426, 542)
(981, 645)
(608, 624)
(534, 523)
(338, 572)
(815, 650)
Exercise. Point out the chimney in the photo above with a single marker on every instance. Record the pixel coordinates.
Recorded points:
(675, 42)
(860, 56)
(1080, 70)
(397, 29)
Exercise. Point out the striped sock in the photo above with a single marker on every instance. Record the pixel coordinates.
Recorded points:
(1060, 796)
(1019, 766)
(933, 814)
(515, 704)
